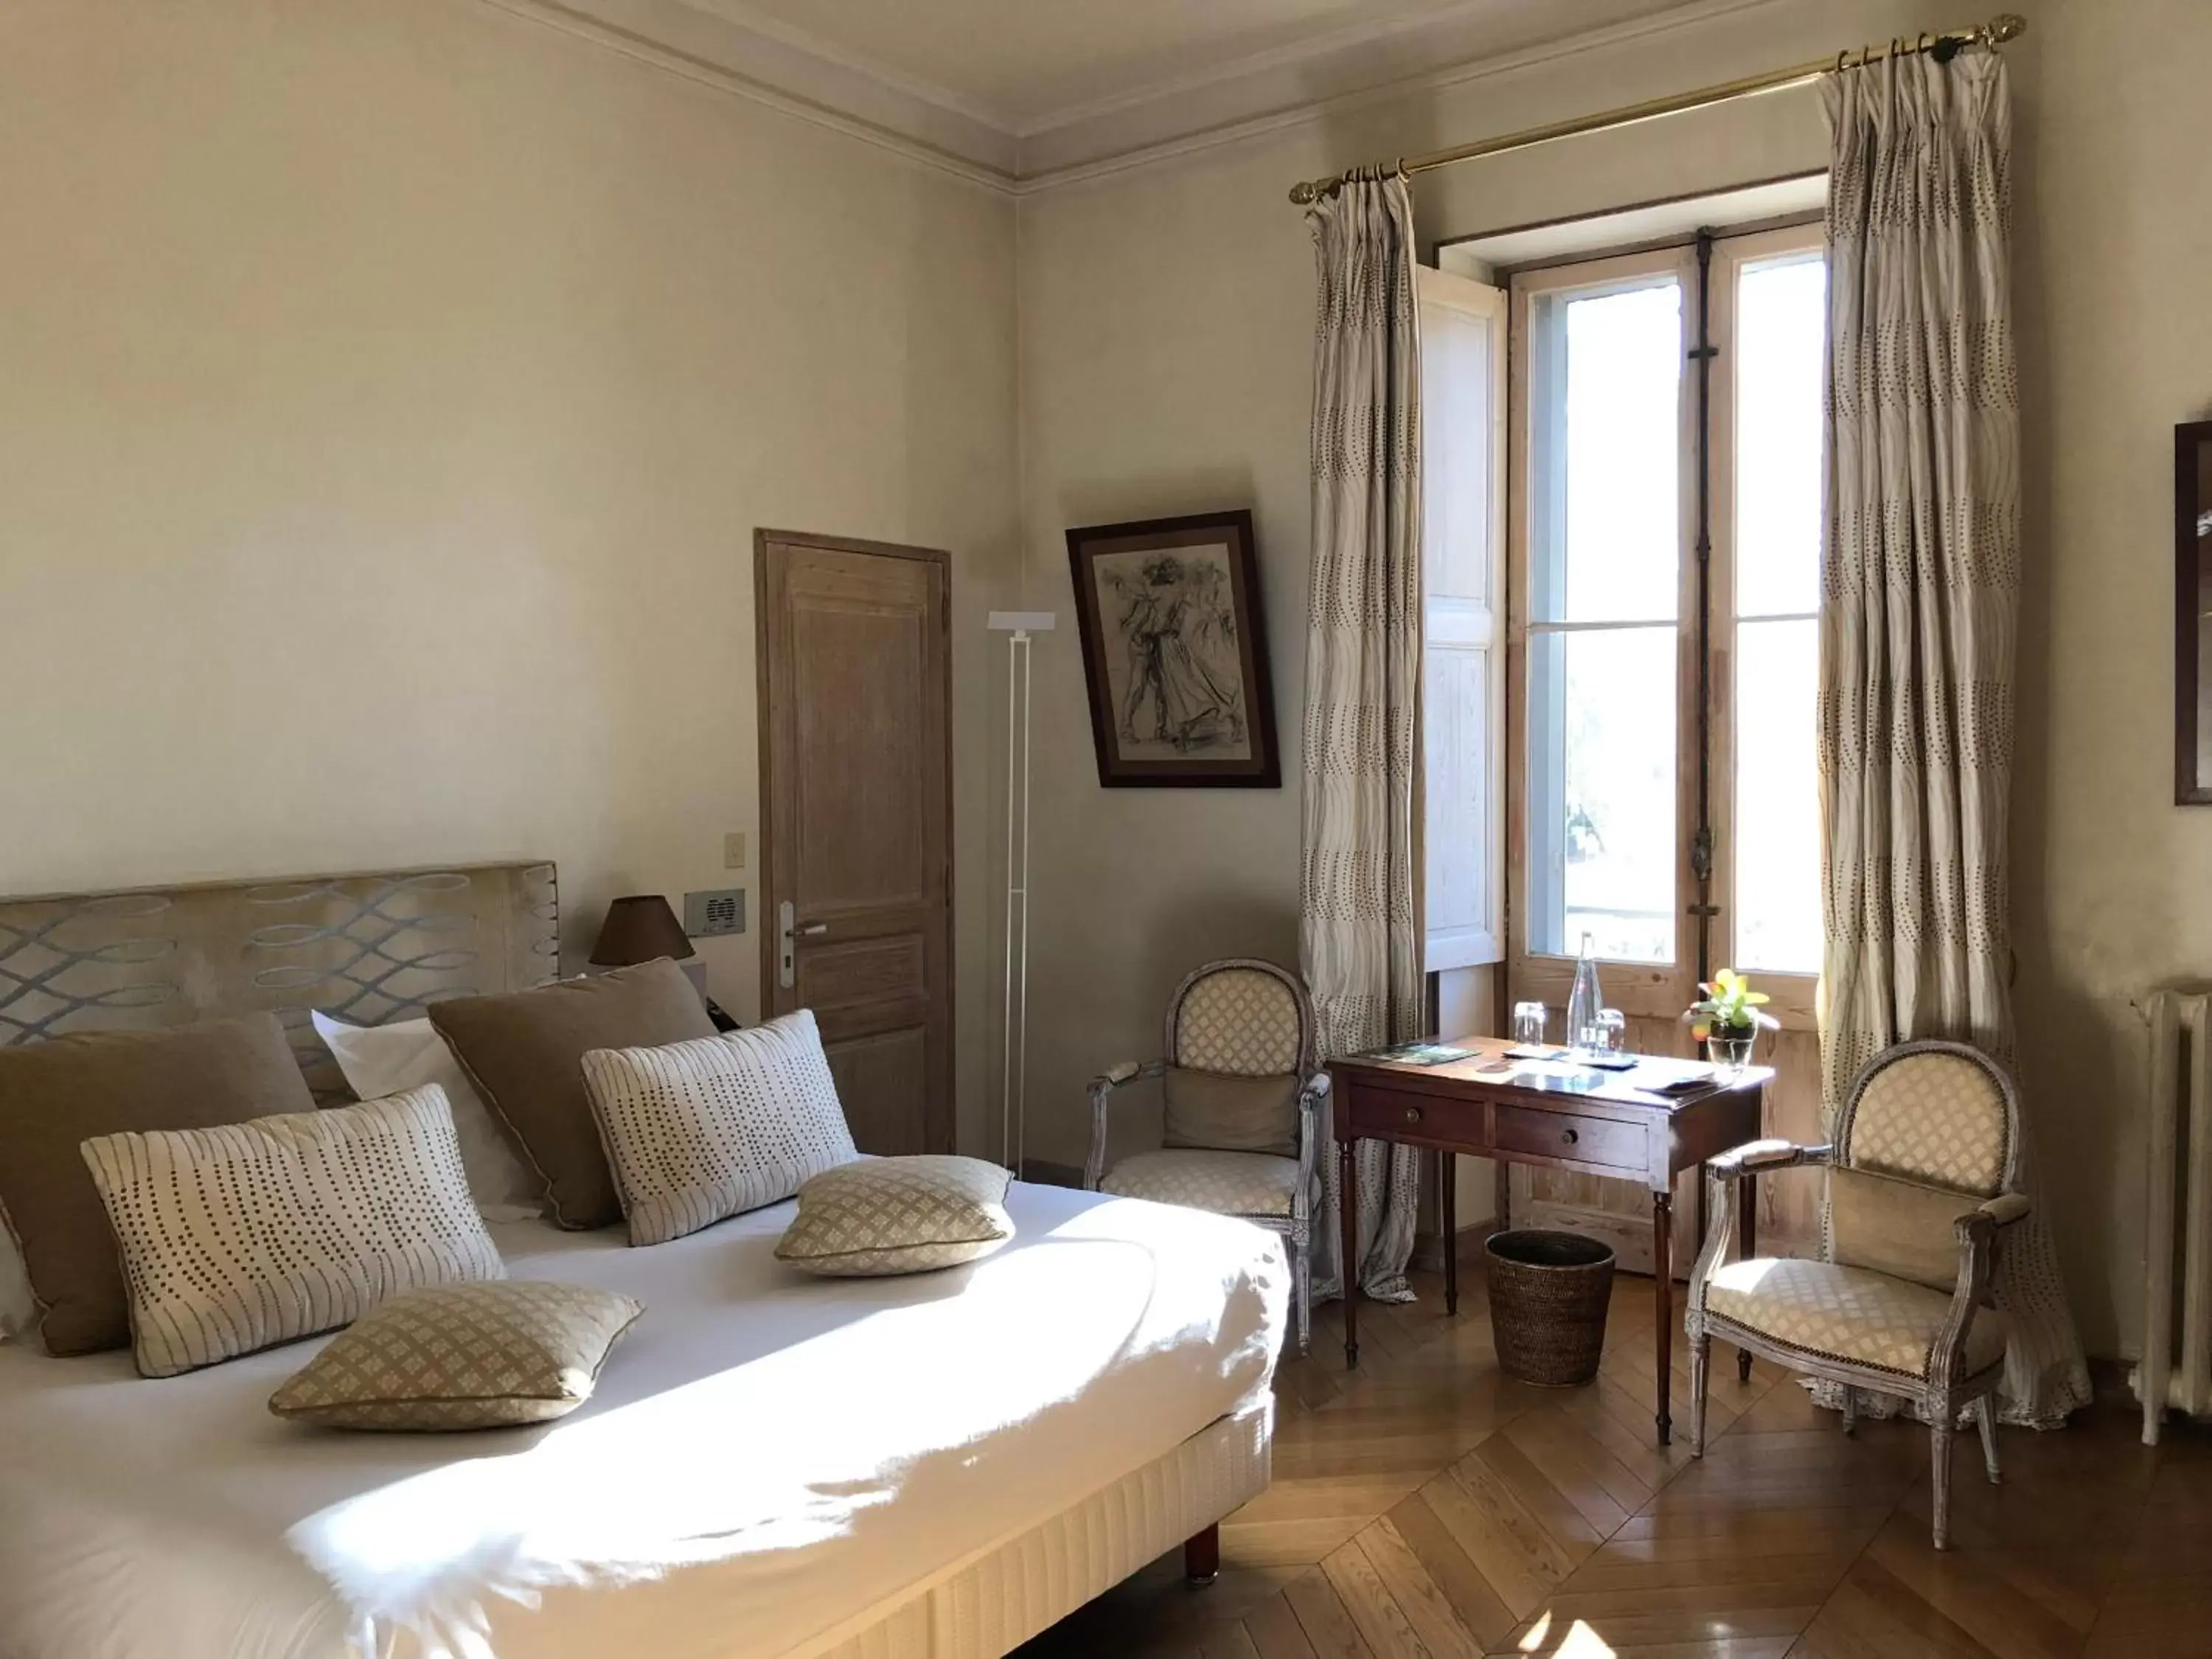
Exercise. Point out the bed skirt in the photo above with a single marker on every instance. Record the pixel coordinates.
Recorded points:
(993, 1602)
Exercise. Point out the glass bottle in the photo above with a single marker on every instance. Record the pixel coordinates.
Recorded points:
(1584, 1001)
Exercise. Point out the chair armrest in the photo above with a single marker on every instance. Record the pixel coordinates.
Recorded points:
(2006, 1208)
(1755, 1156)
(1102, 1094)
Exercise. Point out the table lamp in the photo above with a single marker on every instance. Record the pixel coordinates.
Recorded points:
(642, 927)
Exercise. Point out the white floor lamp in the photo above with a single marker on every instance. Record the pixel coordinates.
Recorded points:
(1017, 626)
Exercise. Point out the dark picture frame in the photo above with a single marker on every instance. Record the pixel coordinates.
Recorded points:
(2192, 613)
(1175, 652)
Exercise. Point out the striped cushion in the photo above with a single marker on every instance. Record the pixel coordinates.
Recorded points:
(698, 1131)
(251, 1234)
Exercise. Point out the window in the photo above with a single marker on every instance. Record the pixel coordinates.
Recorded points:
(1667, 841)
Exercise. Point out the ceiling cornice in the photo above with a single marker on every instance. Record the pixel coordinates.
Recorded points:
(735, 50)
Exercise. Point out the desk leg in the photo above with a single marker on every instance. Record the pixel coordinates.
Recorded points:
(1749, 1198)
(1447, 1215)
(1663, 1297)
(1348, 1206)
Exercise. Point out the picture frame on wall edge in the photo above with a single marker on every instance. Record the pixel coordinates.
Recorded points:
(1175, 652)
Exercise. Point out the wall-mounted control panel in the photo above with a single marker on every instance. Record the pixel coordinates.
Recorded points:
(712, 913)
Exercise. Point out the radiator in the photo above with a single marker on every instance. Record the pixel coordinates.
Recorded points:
(2176, 1372)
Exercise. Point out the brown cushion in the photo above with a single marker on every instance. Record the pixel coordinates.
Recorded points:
(525, 1053)
(1226, 1113)
(55, 1095)
(1891, 1225)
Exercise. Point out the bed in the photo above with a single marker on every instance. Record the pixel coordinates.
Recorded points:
(937, 1466)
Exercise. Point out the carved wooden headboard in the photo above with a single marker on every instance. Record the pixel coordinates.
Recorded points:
(369, 948)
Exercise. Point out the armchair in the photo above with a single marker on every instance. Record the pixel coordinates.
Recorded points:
(1244, 1095)
(1920, 1193)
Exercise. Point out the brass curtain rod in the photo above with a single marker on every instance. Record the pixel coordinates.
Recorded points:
(2006, 26)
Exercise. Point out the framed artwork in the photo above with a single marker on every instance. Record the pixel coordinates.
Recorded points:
(2192, 614)
(1175, 652)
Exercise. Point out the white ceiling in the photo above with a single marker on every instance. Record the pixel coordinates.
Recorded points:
(1026, 90)
(1029, 63)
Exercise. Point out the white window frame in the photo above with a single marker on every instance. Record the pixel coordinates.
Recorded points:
(1462, 591)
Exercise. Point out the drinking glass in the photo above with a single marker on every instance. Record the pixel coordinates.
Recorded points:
(1610, 1032)
(1529, 1019)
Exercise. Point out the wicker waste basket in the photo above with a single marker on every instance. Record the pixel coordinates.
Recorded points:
(1548, 1294)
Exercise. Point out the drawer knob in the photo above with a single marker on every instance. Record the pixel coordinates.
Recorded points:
(1570, 1136)
(1413, 1115)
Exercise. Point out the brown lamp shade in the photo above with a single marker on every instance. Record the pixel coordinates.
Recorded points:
(640, 928)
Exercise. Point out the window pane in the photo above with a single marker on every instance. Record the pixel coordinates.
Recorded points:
(1602, 793)
(1777, 790)
(1606, 455)
(1781, 342)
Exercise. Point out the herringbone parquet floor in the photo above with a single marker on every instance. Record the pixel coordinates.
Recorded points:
(1425, 1507)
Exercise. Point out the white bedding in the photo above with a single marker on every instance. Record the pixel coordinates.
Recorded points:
(770, 1462)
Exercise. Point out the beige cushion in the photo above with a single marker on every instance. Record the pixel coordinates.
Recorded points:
(698, 1131)
(1848, 1313)
(1933, 1117)
(1226, 1112)
(898, 1215)
(462, 1357)
(1238, 1020)
(1227, 1183)
(241, 1237)
(55, 1093)
(523, 1052)
(1891, 1225)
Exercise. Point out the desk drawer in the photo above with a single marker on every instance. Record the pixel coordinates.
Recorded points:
(1571, 1136)
(1390, 1115)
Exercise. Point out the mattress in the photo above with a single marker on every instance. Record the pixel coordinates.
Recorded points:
(771, 1462)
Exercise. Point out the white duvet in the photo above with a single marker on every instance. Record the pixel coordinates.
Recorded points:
(771, 1461)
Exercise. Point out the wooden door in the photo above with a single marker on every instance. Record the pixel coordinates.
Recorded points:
(856, 818)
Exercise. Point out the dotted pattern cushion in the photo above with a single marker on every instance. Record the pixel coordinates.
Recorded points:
(898, 1215)
(1238, 1020)
(1936, 1118)
(464, 1357)
(1848, 1313)
(698, 1131)
(1227, 1183)
(242, 1237)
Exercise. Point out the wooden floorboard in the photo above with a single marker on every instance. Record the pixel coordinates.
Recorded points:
(1426, 1506)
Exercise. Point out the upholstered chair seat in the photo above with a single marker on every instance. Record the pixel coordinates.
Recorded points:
(1241, 1093)
(1825, 1311)
(1252, 1184)
(1920, 1192)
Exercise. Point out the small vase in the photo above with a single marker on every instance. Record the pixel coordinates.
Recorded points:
(1731, 1052)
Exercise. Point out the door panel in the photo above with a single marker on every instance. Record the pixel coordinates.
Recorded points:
(856, 817)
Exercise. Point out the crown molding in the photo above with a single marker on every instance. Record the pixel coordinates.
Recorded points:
(725, 45)
(774, 70)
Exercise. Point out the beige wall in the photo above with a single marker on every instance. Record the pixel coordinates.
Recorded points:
(391, 395)
(1165, 342)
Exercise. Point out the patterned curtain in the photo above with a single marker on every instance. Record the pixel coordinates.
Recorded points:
(1360, 889)
(1921, 594)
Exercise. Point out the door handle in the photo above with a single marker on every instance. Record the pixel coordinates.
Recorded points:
(787, 953)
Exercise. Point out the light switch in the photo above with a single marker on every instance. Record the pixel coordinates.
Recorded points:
(733, 850)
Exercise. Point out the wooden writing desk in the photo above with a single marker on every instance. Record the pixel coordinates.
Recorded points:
(1591, 1122)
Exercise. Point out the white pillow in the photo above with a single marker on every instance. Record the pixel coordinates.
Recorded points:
(713, 1127)
(241, 1237)
(389, 1059)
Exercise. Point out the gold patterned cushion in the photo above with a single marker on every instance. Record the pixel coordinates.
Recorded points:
(1227, 1183)
(1848, 1313)
(1932, 1117)
(1238, 1020)
(898, 1215)
(462, 1357)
